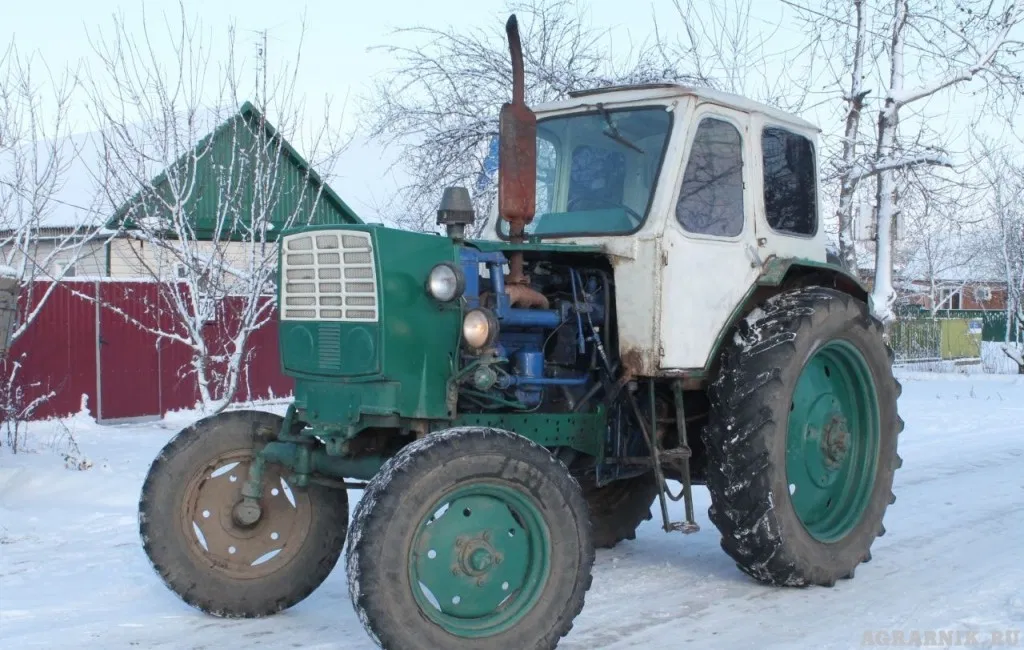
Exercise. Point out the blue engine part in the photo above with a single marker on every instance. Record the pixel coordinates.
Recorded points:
(524, 332)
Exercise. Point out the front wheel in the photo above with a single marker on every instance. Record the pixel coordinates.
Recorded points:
(470, 539)
(203, 554)
(801, 443)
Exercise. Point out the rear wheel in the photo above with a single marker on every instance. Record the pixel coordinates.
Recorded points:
(618, 508)
(472, 538)
(203, 554)
(802, 439)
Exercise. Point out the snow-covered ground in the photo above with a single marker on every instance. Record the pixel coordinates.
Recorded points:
(73, 573)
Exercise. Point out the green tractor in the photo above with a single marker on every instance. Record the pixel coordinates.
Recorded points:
(652, 301)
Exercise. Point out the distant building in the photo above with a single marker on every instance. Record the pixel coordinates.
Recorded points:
(951, 295)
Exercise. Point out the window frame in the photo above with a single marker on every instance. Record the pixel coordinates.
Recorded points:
(740, 121)
(817, 182)
(669, 135)
(946, 295)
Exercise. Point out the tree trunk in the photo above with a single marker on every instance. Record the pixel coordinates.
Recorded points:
(883, 294)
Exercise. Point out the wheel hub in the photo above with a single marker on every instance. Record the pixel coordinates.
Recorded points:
(246, 512)
(476, 556)
(835, 441)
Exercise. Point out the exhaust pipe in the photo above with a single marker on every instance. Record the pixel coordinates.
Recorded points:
(517, 156)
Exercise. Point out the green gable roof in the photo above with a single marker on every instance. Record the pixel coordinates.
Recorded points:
(216, 149)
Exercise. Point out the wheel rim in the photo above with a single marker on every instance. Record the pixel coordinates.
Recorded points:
(832, 441)
(243, 552)
(480, 559)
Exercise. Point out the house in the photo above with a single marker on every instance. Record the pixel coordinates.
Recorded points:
(948, 279)
(82, 346)
(246, 184)
(953, 294)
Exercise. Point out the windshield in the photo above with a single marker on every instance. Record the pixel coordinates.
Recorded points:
(596, 171)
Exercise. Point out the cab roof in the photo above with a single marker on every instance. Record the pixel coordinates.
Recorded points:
(640, 92)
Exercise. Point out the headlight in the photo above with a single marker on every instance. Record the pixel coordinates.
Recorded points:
(445, 282)
(479, 328)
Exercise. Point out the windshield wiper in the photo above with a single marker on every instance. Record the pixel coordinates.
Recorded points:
(613, 132)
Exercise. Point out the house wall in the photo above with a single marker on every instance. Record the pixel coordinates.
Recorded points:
(90, 262)
(134, 259)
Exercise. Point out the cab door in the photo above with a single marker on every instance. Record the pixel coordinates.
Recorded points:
(710, 247)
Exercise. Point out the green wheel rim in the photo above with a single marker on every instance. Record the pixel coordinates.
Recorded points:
(480, 559)
(832, 441)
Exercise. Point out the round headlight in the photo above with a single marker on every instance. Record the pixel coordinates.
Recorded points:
(479, 328)
(445, 282)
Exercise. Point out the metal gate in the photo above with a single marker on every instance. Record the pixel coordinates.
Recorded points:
(79, 346)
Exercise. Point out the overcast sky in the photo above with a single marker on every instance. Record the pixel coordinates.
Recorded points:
(337, 60)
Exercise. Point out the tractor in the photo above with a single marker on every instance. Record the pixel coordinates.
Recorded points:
(651, 307)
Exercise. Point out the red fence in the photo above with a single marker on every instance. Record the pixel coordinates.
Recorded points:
(80, 346)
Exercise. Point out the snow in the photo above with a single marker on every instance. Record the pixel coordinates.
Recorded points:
(995, 360)
(73, 573)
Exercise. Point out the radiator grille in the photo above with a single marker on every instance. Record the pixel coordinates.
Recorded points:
(330, 346)
(329, 276)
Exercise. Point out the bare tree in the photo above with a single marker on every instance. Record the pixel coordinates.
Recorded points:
(439, 105)
(962, 41)
(724, 46)
(205, 181)
(42, 238)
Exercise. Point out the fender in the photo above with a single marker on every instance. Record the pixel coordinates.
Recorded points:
(780, 274)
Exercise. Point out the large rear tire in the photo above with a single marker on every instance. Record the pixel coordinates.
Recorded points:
(470, 539)
(203, 555)
(801, 442)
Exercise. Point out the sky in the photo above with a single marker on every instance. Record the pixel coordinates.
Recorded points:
(338, 60)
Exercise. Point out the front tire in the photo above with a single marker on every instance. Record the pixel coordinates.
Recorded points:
(801, 442)
(470, 539)
(199, 551)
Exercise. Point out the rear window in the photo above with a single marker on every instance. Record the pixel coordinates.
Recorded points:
(790, 195)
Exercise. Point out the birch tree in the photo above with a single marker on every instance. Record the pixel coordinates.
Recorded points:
(41, 237)
(965, 41)
(206, 183)
(853, 97)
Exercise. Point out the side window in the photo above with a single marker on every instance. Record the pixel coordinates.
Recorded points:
(790, 200)
(711, 200)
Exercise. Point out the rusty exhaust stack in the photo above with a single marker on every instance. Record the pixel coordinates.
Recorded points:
(517, 156)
